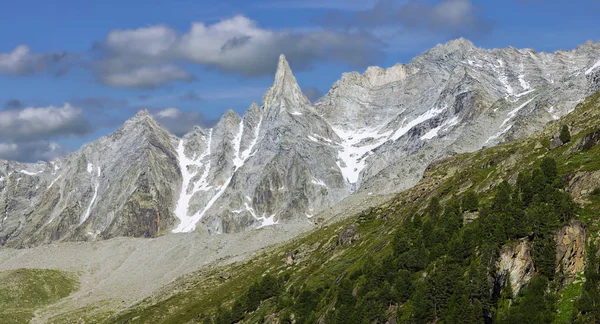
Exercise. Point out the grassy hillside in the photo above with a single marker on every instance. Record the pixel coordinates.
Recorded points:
(400, 247)
(25, 290)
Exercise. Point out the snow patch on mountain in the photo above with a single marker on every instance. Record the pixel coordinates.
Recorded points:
(420, 119)
(434, 131)
(29, 173)
(267, 221)
(247, 153)
(497, 135)
(514, 112)
(590, 70)
(502, 77)
(319, 182)
(353, 153)
(189, 168)
(53, 181)
(89, 209)
(524, 84)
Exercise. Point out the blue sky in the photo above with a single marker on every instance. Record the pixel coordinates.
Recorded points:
(72, 71)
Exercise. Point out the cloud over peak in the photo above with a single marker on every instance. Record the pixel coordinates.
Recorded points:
(150, 56)
(42, 122)
(180, 122)
(25, 133)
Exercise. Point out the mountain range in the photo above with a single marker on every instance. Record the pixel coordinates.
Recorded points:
(287, 160)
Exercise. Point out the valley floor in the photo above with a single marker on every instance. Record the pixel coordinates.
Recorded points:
(119, 272)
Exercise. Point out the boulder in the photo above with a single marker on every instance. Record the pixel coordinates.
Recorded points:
(349, 235)
(555, 142)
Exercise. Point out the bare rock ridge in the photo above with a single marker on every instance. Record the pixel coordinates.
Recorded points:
(120, 185)
(286, 160)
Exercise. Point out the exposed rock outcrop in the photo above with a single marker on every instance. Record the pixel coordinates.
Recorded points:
(555, 142)
(570, 251)
(469, 217)
(349, 235)
(583, 183)
(515, 260)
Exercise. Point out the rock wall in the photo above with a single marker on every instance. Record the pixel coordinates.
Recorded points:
(515, 259)
(570, 251)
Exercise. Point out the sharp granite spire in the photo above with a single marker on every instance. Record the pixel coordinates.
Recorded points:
(285, 94)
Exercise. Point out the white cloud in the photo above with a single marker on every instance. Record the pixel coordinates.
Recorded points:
(180, 122)
(42, 122)
(145, 76)
(38, 150)
(21, 61)
(169, 113)
(146, 57)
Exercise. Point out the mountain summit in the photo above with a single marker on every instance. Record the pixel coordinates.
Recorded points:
(285, 94)
(287, 160)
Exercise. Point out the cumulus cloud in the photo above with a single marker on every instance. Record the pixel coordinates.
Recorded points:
(39, 150)
(313, 94)
(453, 17)
(118, 72)
(34, 123)
(21, 61)
(146, 57)
(26, 133)
(180, 122)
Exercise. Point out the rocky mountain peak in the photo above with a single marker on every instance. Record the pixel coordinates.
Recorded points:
(458, 48)
(135, 130)
(143, 117)
(229, 120)
(285, 88)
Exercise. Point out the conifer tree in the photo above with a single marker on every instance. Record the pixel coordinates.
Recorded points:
(549, 168)
(502, 198)
(434, 209)
(470, 202)
(565, 134)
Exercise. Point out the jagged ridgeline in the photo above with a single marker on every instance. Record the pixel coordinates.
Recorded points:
(507, 234)
(288, 160)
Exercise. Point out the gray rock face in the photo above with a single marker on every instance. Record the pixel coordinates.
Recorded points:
(570, 251)
(287, 160)
(515, 262)
(277, 163)
(452, 98)
(121, 185)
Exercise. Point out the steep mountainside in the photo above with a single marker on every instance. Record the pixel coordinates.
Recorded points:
(453, 98)
(287, 160)
(121, 185)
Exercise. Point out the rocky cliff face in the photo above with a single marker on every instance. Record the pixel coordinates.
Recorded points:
(275, 164)
(124, 184)
(570, 251)
(452, 98)
(286, 160)
(515, 262)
